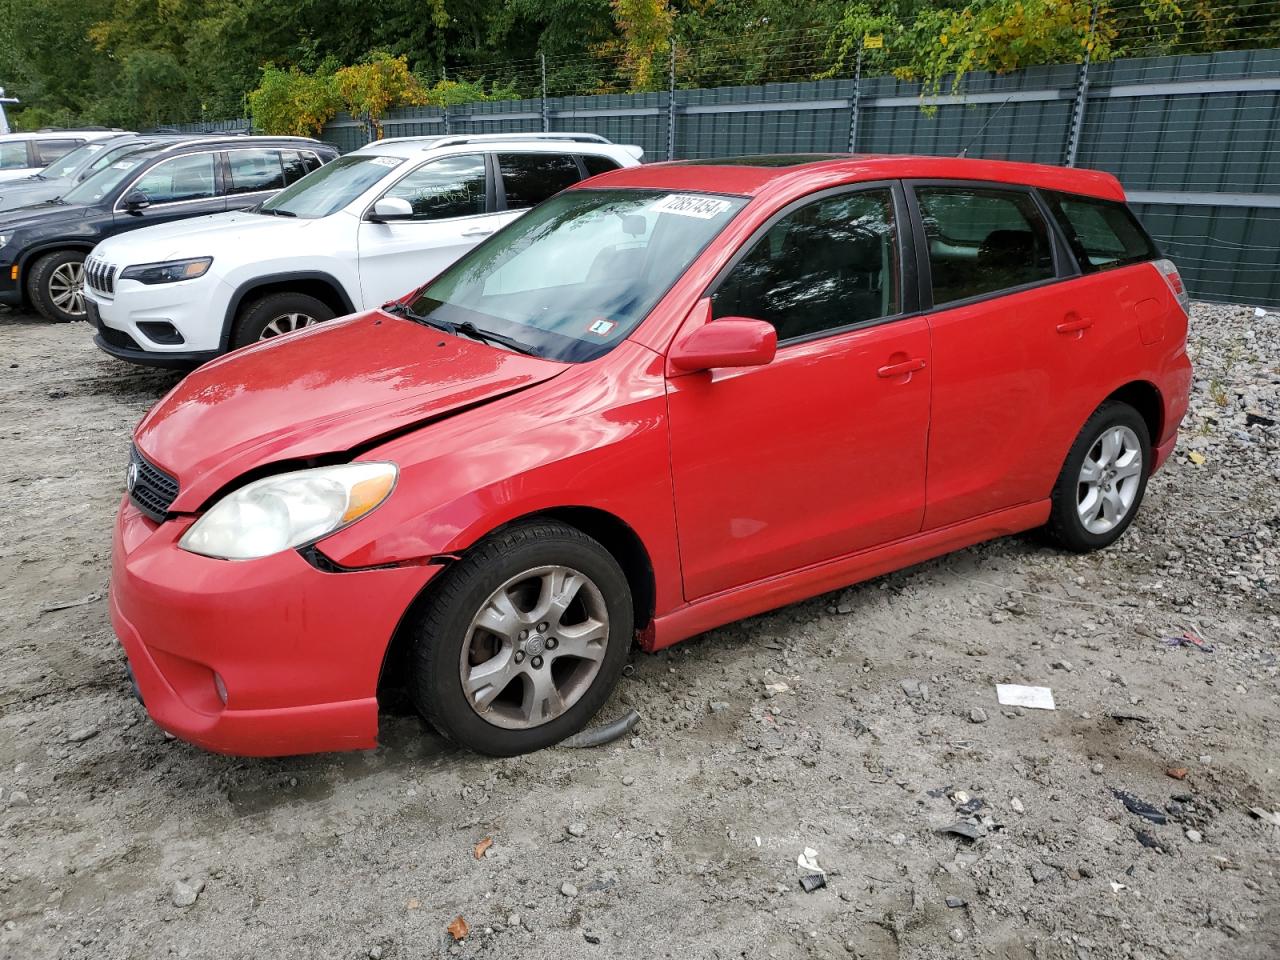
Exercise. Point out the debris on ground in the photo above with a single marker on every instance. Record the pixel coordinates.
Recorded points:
(186, 892)
(812, 876)
(599, 736)
(1016, 695)
(1189, 638)
(1140, 807)
(69, 604)
(961, 829)
(1177, 773)
(482, 847)
(459, 928)
(1266, 816)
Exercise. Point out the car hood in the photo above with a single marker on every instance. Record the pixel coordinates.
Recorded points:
(321, 392)
(41, 214)
(199, 237)
(24, 193)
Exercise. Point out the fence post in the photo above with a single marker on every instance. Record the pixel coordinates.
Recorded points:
(853, 102)
(546, 121)
(671, 102)
(1082, 92)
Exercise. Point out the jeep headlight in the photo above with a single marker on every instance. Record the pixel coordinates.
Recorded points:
(170, 271)
(289, 510)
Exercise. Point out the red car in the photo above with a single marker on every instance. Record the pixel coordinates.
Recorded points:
(671, 397)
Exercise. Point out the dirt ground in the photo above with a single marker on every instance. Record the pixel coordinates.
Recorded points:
(681, 842)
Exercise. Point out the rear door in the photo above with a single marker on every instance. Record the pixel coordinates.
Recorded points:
(253, 175)
(1011, 346)
(453, 210)
(820, 453)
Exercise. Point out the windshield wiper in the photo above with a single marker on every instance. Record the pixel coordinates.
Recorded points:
(277, 212)
(488, 336)
(466, 328)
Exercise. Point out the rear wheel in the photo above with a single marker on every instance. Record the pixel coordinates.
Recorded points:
(526, 638)
(1103, 480)
(55, 286)
(277, 314)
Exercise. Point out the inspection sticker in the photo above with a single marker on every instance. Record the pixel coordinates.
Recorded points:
(691, 205)
(601, 328)
(386, 161)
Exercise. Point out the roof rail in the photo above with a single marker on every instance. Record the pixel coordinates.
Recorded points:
(450, 141)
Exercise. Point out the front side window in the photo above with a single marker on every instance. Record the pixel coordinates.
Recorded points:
(13, 155)
(1102, 233)
(448, 187)
(333, 186)
(48, 151)
(983, 240)
(179, 179)
(829, 264)
(578, 274)
(529, 178)
(253, 171)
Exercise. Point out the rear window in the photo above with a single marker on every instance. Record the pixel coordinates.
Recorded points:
(1102, 233)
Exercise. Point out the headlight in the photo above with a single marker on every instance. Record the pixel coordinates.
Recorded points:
(289, 510)
(4, 238)
(169, 272)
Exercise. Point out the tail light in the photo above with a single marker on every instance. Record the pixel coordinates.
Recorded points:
(1176, 286)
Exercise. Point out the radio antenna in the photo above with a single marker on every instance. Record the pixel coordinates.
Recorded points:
(995, 113)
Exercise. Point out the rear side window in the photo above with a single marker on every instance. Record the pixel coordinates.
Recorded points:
(255, 170)
(295, 167)
(448, 187)
(529, 178)
(1102, 233)
(13, 155)
(596, 164)
(47, 151)
(983, 240)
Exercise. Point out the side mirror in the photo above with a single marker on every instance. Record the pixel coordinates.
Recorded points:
(728, 342)
(391, 208)
(135, 201)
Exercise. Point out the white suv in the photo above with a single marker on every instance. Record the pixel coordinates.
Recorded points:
(24, 154)
(364, 229)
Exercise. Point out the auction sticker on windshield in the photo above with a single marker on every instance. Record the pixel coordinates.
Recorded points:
(691, 205)
(387, 161)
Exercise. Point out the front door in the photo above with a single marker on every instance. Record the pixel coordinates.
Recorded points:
(176, 189)
(820, 453)
(452, 212)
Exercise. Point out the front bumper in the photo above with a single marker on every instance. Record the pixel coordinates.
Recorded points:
(297, 650)
(195, 309)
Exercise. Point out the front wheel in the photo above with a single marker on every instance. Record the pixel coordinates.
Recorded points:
(277, 314)
(1103, 480)
(525, 640)
(55, 286)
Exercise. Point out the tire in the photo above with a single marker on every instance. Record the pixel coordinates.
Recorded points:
(55, 286)
(505, 716)
(1085, 515)
(276, 314)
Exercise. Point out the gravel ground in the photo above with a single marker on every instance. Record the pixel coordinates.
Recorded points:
(116, 842)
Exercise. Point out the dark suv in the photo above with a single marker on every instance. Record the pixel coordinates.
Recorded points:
(43, 247)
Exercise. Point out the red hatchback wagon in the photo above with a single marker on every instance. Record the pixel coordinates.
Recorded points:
(668, 398)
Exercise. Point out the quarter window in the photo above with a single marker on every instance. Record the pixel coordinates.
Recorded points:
(529, 178)
(253, 171)
(982, 240)
(597, 164)
(182, 178)
(295, 165)
(1103, 234)
(448, 187)
(829, 264)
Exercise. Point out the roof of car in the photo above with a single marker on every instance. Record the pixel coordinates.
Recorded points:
(563, 142)
(155, 144)
(752, 176)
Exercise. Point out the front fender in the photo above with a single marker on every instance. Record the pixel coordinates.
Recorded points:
(593, 437)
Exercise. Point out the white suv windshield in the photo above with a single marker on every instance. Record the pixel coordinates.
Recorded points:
(329, 189)
(578, 273)
(67, 165)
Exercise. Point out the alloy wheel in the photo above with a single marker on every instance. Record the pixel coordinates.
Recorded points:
(286, 323)
(66, 288)
(534, 647)
(1109, 479)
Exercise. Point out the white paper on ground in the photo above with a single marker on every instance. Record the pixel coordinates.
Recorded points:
(1016, 695)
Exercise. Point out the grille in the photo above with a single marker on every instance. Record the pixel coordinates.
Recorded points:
(150, 488)
(100, 275)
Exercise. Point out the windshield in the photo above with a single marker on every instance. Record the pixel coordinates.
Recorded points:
(578, 273)
(98, 186)
(69, 162)
(330, 188)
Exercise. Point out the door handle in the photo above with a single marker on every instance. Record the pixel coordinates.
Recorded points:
(1075, 324)
(478, 231)
(898, 369)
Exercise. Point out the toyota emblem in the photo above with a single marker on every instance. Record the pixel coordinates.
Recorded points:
(131, 478)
